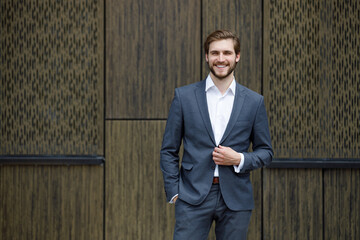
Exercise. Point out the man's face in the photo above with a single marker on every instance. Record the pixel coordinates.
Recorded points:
(222, 58)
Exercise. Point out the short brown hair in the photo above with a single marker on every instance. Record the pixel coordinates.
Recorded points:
(220, 35)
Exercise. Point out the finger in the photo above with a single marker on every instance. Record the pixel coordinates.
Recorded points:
(216, 154)
(218, 161)
(216, 158)
(222, 148)
(219, 150)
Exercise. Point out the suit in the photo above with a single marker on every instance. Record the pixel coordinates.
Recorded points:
(189, 123)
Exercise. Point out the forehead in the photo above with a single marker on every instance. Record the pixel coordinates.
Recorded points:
(222, 45)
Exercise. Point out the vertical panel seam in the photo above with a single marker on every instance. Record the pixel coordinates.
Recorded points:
(262, 93)
(262, 49)
(262, 205)
(323, 203)
(201, 37)
(104, 118)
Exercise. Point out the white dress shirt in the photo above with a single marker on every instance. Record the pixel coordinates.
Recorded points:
(220, 107)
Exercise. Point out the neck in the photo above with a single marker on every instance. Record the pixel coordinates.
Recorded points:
(222, 84)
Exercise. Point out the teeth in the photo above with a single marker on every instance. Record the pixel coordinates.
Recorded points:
(221, 66)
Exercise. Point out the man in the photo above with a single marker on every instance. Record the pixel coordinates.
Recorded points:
(216, 120)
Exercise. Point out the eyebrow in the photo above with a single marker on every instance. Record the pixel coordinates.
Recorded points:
(225, 51)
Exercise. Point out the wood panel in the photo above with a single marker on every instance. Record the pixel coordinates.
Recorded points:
(136, 206)
(312, 77)
(244, 18)
(342, 204)
(51, 202)
(151, 48)
(51, 76)
(293, 204)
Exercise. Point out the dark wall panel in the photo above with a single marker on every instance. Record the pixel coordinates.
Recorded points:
(51, 77)
(342, 204)
(136, 206)
(293, 204)
(312, 77)
(244, 18)
(151, 48)
(51, 202)
(311, 85)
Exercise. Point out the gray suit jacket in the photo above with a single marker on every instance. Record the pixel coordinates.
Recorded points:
(189, 123)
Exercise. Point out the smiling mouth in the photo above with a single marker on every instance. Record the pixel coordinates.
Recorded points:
(221, 66)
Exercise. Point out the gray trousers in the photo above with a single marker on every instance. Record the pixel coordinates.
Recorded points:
(194, 222)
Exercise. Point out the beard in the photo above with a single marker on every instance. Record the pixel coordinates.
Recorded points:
(223, 75)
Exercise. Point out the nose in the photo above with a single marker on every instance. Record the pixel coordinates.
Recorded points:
(221, 57)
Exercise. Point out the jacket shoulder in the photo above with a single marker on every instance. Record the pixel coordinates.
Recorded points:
(252, 94)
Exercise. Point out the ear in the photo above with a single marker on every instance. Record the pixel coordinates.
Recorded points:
(206, 57)
(237, 59)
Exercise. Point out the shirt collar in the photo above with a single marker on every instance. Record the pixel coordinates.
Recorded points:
(210, 84)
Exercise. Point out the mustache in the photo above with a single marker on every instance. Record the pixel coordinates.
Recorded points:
(221, 63)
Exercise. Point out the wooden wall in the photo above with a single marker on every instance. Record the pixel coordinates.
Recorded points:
(310, 85)
(51, 112)
(141, 50)
(51, 202)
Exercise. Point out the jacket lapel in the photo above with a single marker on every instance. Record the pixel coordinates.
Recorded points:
(238, 103)
(202, 104)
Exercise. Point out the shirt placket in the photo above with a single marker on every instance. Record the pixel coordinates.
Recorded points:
(219, 118)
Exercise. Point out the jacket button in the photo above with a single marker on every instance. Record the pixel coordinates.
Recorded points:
(213, 167)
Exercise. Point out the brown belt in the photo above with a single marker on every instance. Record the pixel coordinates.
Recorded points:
(216, 180)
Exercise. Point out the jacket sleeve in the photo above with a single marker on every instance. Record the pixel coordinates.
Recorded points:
(169, 154)
(260, 137)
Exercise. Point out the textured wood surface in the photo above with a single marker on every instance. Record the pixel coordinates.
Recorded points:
(151, 48)
(52, 202)
(312, 77)
(244, 18)
(342, 204)
(51, 77)
(293, 204)
(136, 207)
